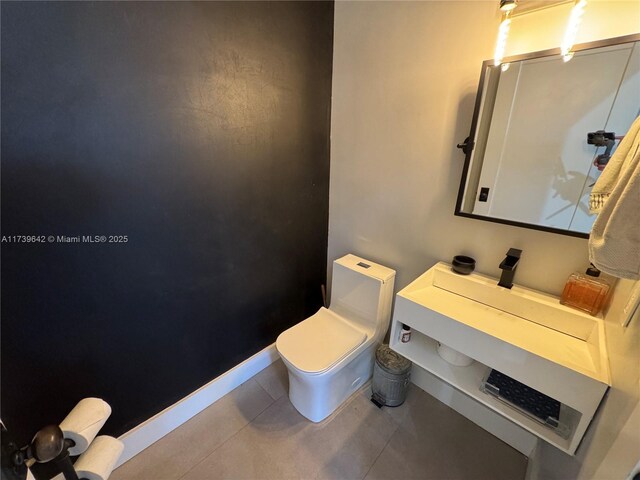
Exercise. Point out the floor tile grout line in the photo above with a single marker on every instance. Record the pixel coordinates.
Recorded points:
(231, 436)
(268, 393)
(383, 448)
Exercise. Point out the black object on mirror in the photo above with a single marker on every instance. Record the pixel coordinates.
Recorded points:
(463, 265)
(466, 146)
(600, 138)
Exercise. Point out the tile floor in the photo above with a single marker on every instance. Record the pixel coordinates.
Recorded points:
(255, 433)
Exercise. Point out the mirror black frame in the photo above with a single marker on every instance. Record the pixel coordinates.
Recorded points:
(468, 145)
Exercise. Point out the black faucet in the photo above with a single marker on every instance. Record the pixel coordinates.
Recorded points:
(508, 266)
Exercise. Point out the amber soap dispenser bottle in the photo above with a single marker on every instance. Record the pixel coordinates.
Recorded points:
(586, 291)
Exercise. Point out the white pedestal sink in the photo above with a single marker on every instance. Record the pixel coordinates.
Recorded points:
(523, 333)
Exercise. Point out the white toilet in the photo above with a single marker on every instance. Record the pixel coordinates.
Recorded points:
(330, 354)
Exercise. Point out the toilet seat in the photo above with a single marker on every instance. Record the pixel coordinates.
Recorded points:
(319, 342)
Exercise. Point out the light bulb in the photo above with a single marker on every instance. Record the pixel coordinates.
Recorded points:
(501, 44)
(575, 17)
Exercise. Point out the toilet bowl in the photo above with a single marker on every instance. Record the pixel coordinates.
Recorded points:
(330, 354)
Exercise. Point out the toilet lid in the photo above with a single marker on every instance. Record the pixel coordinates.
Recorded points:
(319, 342)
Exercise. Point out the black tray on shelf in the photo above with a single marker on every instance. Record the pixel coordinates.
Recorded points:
(525, 399)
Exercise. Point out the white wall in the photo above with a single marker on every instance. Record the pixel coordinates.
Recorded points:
(404, 82)
(405, 76)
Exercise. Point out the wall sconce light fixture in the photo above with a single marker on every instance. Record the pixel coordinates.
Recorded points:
(575, 17)
(507, 5)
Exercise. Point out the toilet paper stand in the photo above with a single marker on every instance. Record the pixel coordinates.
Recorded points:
(50, 451)
(60, 464)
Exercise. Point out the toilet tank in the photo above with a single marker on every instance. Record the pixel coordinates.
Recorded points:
(362, 291)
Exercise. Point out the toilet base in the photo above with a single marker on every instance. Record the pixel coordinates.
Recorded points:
(318, 396)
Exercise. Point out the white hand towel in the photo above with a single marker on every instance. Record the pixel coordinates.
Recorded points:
(614, 242)
(614, 171)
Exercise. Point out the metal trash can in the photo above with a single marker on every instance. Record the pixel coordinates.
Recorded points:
(391, 374)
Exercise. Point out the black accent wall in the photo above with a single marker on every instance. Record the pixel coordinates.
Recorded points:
(198, 130)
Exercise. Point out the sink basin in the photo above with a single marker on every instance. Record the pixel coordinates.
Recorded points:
(531, 320)
(519, 301)
(522, 333)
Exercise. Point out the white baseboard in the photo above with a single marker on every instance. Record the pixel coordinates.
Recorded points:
(504, 429)
(156, 427)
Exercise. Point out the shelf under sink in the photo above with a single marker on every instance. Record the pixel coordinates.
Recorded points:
(422, 351)
(525, 334)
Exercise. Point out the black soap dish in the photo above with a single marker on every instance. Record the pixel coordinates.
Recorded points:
(463, 265)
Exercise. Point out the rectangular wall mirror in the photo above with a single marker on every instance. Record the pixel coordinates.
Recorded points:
(531, 161)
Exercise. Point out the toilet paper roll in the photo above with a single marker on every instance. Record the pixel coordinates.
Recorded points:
(84, 422)
(98, 461)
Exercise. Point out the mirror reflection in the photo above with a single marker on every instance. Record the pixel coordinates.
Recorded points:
(544, 130)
